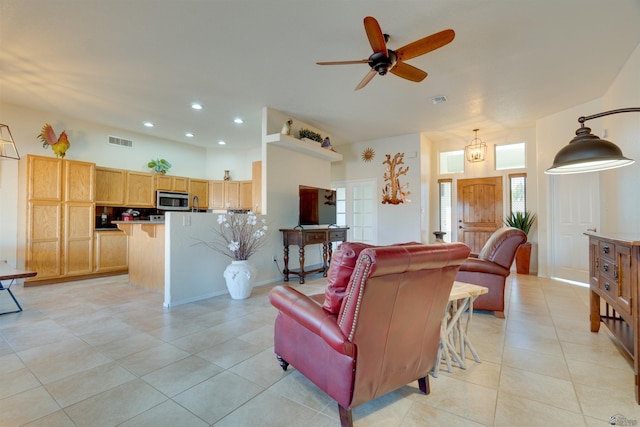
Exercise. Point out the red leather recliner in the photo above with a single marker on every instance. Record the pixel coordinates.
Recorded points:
(386, 331)
(491, 267)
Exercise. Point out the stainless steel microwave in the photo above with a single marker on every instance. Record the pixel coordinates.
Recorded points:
(172, 201)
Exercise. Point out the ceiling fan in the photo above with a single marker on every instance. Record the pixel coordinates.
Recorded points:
(384, 60)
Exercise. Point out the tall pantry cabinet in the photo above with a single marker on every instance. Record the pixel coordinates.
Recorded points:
(60, 215)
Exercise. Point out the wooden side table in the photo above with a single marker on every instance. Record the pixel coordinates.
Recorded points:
(453, 332)
(302, 237)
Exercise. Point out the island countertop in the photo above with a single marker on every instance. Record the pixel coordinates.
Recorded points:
(146, 253)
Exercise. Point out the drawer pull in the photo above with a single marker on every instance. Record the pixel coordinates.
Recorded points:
(607, 286)
(605, 249)
(605, 267)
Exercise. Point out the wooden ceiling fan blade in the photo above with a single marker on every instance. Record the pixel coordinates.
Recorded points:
(370, 75)
(408, 72)
(425, 45)
(375, 36)
(357, 61)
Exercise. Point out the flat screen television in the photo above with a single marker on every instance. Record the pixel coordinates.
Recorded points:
(317, 206)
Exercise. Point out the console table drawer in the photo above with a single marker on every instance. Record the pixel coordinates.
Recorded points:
(338, 236)
(314, 237)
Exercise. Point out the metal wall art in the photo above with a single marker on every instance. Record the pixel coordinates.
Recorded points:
(393, 192)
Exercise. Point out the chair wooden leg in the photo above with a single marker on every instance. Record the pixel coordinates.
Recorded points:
(423, 383)
(346, 419)
(283, 363)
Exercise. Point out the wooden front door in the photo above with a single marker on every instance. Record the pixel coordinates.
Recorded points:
(479, 210)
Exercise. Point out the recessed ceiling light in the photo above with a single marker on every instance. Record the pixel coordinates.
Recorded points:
(189, 134)
(148, 124)
(439, 99)
(196, 106)
(238, 120)
(221, 143)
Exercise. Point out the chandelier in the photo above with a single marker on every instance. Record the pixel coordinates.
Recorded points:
(476, 150)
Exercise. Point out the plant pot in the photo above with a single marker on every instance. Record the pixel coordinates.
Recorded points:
(240, 276)
(523, 258)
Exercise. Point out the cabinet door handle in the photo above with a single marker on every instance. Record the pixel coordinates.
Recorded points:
(615, 273)
(607, 286)
(605, 249)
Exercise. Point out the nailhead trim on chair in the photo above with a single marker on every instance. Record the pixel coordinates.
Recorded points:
(366, 263)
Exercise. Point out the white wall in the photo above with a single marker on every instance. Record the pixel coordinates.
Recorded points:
(619, 199)
(619, 203)
(396, 223)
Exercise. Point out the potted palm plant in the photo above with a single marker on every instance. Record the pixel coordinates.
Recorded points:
(523, 221)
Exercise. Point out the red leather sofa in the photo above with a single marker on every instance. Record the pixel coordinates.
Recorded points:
(376, 328)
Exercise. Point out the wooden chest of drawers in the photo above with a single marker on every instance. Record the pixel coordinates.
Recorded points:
(613, 271)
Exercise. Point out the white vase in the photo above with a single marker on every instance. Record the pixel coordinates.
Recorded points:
(240, 276)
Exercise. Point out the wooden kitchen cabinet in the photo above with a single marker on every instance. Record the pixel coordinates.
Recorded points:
(44, 239)
(200, 188)
(110, 186)
(78, 239)
(172, 183)
(256, 186)
(140, 191)
(79, 181)
(44, 178)
(230, 195)
(246, 199)
(60, 216)
(110, 251)
(217, 195)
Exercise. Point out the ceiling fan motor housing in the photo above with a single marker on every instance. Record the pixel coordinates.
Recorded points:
(381, 62)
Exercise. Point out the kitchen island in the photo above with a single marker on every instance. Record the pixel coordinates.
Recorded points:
(146, 253)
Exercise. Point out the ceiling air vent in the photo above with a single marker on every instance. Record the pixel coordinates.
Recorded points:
(114, 140)
(439, 99)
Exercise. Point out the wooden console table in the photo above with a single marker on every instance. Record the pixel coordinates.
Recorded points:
(312, 236)
(614, 265)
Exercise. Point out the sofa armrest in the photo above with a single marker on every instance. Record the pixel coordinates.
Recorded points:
(311, 316)
(481, 266)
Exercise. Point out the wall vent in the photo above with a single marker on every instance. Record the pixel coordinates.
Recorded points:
(114, 140)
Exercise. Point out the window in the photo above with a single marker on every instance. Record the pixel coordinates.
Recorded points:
(444, 186)
(452, 162)
(510, 156)
(518, 192)
(341, 205)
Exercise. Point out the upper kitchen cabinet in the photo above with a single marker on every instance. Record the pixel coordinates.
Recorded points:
(216, 195)
(110, 186)
(79, 181)
(246, 199)
(172, 183)
(140, 191)
(44, 178)
(199, 188)
(230, 195)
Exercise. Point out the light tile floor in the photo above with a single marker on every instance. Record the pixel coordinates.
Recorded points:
(100, 352)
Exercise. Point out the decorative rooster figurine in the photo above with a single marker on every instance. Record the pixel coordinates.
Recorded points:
(58, 145)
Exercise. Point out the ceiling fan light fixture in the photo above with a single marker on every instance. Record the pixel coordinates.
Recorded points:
(476, 151)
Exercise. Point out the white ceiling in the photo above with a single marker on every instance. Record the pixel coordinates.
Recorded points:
(121, 62)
